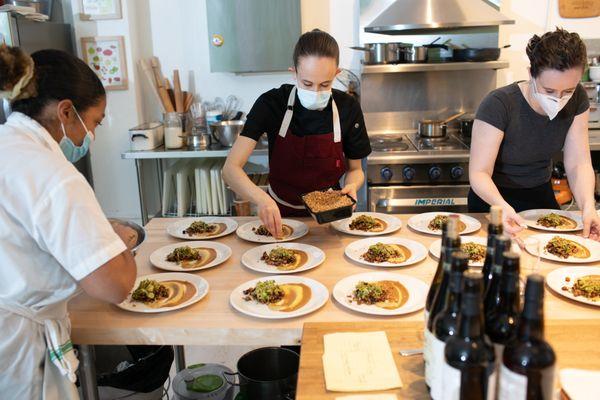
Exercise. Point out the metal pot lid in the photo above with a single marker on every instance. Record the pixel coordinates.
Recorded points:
(181, 380)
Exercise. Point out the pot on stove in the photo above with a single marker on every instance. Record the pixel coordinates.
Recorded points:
(429, 128)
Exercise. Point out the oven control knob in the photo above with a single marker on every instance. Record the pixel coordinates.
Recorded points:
(435, 173)
(386, 173)
(408, 173)
(457, 172)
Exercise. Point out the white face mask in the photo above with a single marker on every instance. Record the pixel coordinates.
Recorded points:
(314, 100)
(550, 104)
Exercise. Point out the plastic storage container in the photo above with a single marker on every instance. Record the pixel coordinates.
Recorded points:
(333, 214)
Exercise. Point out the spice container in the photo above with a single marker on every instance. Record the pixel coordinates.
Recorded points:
(330, 215)
(173, 131)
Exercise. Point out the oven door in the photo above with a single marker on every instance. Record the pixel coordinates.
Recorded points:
(418, 199)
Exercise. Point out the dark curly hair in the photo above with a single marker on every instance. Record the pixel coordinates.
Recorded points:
(559, 50)
(316, 43)
(57, 76)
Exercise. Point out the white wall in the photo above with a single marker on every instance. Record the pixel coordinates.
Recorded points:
(176, 32)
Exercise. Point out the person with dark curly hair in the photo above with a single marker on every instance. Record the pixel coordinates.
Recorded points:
(54, 237)
(519, 127)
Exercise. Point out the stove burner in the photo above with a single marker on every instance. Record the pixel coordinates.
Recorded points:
(448, 142)
(388, 143)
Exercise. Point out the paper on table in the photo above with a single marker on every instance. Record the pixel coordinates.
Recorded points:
(359, 361)
(579, 383)
(369, 397)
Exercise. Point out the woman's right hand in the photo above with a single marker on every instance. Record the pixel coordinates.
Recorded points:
(512, 221)
(269, 214)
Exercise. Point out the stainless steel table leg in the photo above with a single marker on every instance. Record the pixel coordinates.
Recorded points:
(179, 358)
(87, 372)
(140, 179)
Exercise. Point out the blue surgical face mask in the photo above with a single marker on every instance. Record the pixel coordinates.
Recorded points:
(314, 100)
(72, 152)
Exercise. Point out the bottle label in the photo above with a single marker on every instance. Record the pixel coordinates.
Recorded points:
(435, 366)
(427, 336)
(450, 382)
(513, 386)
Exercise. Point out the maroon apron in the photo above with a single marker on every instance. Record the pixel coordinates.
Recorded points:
(299, 165)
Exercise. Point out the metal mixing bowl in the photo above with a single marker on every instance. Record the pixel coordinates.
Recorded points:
(226, 132)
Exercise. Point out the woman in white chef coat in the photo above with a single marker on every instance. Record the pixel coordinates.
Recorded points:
(54, 238)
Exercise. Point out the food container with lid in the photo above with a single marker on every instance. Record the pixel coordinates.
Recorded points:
(146, 136)
(334, 214)
(203, 382)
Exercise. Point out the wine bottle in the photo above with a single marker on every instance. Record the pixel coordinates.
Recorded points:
(501, 322)
(437, 278)
(494, 230)
(527, 370)
(492, 295)
(469, 367)
(445, 323)
(452, 245)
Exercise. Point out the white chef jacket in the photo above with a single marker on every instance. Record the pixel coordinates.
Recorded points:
(53, 233)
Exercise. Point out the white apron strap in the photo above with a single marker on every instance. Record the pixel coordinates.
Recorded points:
(281, 201)
(57, 333)
(337, 130)
(287, 117)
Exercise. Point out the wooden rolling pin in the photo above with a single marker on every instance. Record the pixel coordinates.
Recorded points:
(177, 91)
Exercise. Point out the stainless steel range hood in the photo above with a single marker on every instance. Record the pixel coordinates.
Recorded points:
(417, 16)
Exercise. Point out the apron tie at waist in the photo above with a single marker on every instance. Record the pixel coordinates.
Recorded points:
(58, 339)
(283, 202)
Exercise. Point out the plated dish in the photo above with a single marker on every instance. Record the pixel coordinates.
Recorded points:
(381, 293)
(204, 228)
(368, 224)
(284, 258)
(386, 252)
(255, 231)
(475, 247)
(552, 220)
(165, 292)
(581, 284)
(278, 297)
(564, 248)
(431, 223)
(190, 256)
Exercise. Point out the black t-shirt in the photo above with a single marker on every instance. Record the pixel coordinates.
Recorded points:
(530, 140)
(267, 113)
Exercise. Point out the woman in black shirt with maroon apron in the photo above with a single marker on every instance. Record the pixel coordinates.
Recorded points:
(316, 136)
(520, 127)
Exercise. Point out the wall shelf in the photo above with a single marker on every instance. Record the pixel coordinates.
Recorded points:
(449, 66)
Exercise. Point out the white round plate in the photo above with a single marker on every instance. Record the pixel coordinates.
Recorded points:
(245, 231)
(356, 249)
(556, 281)
(201, 291)
(420, 223)
(531, 217)
(252, 258)
(318, 298)
(158, 257)
(535, 245)
(436, 246)
(417, 293)
(393, 224)
(176, 228)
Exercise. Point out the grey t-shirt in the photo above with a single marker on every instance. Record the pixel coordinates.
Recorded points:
(530, 139)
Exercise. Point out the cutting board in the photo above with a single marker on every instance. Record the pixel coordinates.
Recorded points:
(579, 8)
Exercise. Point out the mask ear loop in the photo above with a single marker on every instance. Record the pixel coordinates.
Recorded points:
(83, 123)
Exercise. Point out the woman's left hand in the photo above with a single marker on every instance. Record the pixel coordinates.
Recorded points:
(350, 190)
(591, 223)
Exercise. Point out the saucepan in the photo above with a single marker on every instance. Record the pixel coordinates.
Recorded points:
(430, 128)
(375, 53)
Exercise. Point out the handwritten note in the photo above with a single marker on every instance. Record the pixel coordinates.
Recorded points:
(359, 361)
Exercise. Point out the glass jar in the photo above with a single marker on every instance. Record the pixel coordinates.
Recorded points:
(173, 131)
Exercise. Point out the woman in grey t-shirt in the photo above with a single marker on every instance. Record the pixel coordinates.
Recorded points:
(519, 127)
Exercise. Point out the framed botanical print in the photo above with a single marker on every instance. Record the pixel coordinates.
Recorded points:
(100, 9)
(106, 56)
